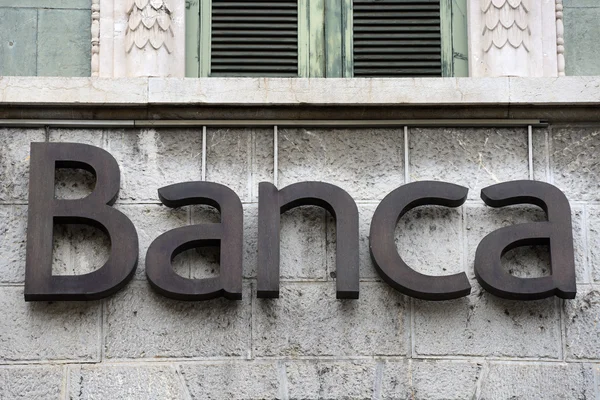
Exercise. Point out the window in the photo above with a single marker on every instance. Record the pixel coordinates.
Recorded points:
(327, 38)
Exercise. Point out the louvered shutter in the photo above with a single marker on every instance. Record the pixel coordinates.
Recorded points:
(397, 38)
(254, 38)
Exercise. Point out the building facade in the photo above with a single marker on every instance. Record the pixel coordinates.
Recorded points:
(365, 95)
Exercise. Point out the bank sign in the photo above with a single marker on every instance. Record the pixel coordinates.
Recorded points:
(45, 210)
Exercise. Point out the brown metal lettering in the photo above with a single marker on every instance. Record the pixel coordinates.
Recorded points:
(385, 255)
(95, 210)
(557, 233)
(228, 234)
(272, 203)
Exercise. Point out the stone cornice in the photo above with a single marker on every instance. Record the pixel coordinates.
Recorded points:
(41, 91)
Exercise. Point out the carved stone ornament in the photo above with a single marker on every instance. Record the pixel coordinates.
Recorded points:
(95, 38)
(506, 22)
(149, 21)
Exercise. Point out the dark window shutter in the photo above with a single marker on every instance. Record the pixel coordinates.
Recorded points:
(254, 38)
(397, 38)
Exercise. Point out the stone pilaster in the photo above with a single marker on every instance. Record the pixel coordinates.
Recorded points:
(142, 38)
(512, 38)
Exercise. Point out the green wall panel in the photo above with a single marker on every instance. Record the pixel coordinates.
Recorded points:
(75, 4)
(64, 39)
(18, 32)
(582, 37)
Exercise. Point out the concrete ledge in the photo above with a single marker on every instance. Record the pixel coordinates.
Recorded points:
(572, 91)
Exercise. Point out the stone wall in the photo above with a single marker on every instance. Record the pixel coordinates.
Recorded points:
(307, 344)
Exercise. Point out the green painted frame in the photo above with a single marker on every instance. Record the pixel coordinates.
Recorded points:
(325, 38)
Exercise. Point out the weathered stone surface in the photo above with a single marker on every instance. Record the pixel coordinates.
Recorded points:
(240, 159)
(71, 54)
(462, 327)
(307, 320)
(78, 249)
(48, 331)
(14, 162)
(303, 244)
(431, 380)
(298, 91)
(151, 221)
(150, 159)
(593, 219)
(234, 380)
(538, 381)
(141, 324)
(31, 383)
(263, 159)
(541, 153)
(574, 164)
(367, 163)
(474, 158)
(528, 261)
(582, 320)
(62, 90)
(331, 380)
(444, 380)
(429, 239)
(18, 50)
(143, 382)
(13, 230)
(69, 183)
(228, 159)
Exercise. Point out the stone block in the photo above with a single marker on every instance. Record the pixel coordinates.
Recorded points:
(151, 221)
(331, 380)
(582, 321)
(303, 250)
(482, 325)
(470, 157)
(527, 261)
(307, 320)
(582, 38)
(13, 229)
(43, 331)
(234, 380)
(14, 163)
(150, 159)
(71, 55)
(141, 324)
(541, 154)
(240, 159)
(75, 183)
(78, 249)
(538, 381)
(367, 163)
(143, 382)
(431, 380)
(593, 236)
(573, 158)
(18, 35)
(31, 383)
